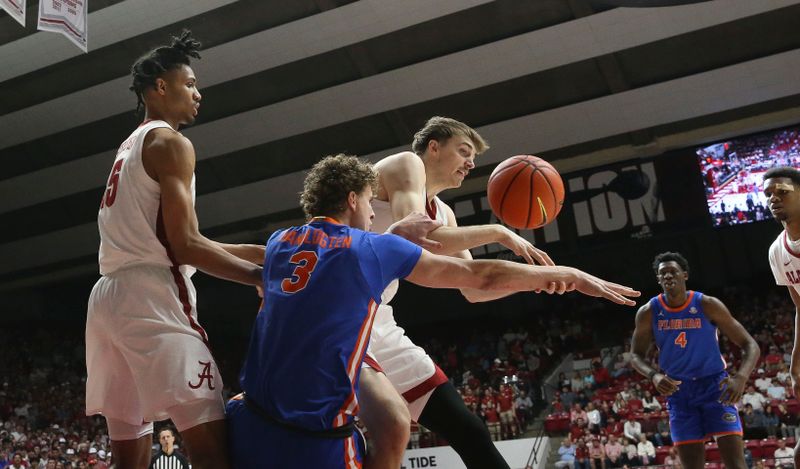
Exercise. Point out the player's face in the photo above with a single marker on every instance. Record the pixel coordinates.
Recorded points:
(181, 94)
(456, 158)
(783, 198)
(363, 214)
(671, 277)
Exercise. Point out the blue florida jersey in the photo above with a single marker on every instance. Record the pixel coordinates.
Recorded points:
(322, 285)
(687, 341)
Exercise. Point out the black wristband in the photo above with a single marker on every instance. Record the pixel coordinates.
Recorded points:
(651, 374)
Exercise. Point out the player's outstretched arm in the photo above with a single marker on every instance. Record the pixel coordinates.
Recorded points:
(169, 158)
(448, 272)
(249, 252)
(402, 180)
(641, 342)
(719, 314)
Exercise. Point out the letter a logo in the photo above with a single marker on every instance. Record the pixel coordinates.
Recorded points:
(204, 375)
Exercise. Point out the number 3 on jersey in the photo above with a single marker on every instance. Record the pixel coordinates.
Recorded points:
(306, 261)
(681, 340)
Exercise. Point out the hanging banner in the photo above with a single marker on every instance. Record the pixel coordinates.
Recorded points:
(15, 8)
(67, 17)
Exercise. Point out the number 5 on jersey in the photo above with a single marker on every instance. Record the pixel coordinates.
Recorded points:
(305, 261)
(110, 194)
(681, 340)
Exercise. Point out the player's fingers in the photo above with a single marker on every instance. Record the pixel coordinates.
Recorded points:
(551, 287)
(562, 288)
(527, 256)
(542, 256)
(427, 243)
(623, 290)
(616, 298)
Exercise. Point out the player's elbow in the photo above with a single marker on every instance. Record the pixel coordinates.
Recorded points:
(185, 250)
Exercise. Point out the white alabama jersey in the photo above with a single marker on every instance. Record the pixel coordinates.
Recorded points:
(384, 219)
(784, 258)
(131, 228)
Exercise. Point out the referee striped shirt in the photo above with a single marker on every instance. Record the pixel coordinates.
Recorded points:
(169, 461)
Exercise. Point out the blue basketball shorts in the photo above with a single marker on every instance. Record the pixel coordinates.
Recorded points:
(254, 442)
(695, 413)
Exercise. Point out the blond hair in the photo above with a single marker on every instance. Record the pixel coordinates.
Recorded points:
(443, 128)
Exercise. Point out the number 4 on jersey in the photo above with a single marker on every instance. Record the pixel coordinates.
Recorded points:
(681, 340)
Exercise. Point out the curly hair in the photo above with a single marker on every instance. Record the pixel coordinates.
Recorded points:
(160, 60)
(329, 182)
(671, 256)
(443, 128)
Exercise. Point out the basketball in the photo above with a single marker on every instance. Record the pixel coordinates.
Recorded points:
(525, 192)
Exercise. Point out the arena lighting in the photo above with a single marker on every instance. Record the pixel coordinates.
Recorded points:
(644, 3)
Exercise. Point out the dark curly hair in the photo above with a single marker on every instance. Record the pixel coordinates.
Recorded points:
(671, 256)
(160, 60)
(328, 183)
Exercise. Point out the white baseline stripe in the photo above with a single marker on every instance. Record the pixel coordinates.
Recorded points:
(503, 60)
(106, 26)
(290, 42)
(719, 90)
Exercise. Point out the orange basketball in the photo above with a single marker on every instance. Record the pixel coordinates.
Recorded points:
(525, 192)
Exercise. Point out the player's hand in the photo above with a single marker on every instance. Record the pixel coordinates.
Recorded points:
(260, 291)
(593, 286)
(665, 385)
(523, 248)
(732, 389)
(415, 227)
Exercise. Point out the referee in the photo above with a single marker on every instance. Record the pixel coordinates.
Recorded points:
(167, 457)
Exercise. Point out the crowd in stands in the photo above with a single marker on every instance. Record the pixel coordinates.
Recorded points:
(621, 423)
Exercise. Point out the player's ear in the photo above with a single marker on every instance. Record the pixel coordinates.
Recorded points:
(161, 86)
(352, 200)
(433, 146)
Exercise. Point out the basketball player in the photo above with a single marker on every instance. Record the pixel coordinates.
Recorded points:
(322, 286)
(782, 187)
(147, 357)
(701, 396)
(443, 154)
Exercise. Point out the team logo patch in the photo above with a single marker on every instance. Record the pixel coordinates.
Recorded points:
(693, 310)
(728, 417)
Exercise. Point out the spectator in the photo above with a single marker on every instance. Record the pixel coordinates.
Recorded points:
(672, 460)
(650, 403)
(619, 406)
(783, 374)
(582, 455)
(593, 418)
(614, 451)
(524, 408)
(578, 430)
(776, 390)
(567, 397)
(631, 454)
(762, 382)
(588, 380)
(774, 358)
(753, 423)
(576, 383)
(645, 450)
(614, 427)
(662, 429)
(577, 413)
(597, 454)
(788, 422)
(566, 454)
(632, 430)
(771, 422)
(17, 463)
(601, 375)
(754, 398)
(784, 457)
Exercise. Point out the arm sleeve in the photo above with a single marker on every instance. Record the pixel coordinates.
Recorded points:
(392, 257)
